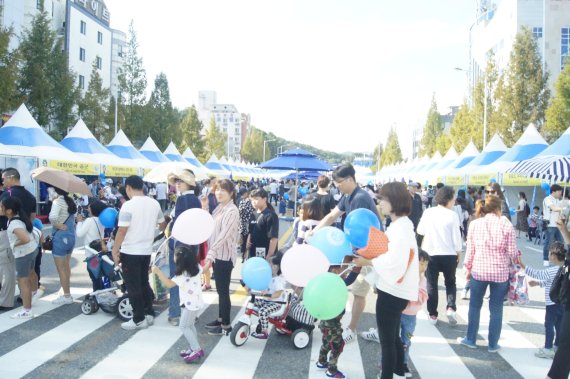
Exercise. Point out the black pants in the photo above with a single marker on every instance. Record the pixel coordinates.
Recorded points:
(388, 313)
(560, 368)
(223, 277)
(38, 264)
(135, 272)
(243, 245)
(273, 198)
(531, 233)
(446, 264)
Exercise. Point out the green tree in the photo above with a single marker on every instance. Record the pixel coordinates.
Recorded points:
(132, 86)
(432, 130)
(9, 60)
(189, 134)
(94, 106)
(252, 150)
(522, 91)
(392, 154)
(378, 151)
(558, 113)
(464, 129)
(443, 143)
(215, 140)
(161, 118)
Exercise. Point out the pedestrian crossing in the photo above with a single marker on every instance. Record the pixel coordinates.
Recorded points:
(62, 339)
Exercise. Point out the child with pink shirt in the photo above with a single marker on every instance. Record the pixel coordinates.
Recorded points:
(408, 320)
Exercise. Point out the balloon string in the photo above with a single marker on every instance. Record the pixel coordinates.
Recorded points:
(349, 268)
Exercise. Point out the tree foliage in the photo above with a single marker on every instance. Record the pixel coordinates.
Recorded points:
(522, 91)
(93, 108)
(252, 150)
(189, 133)
(558, 113)
(162, 118)
(392, 154)
(9, 60)
(443, 143)
(464, 128)
(432, 130)
(132, 86)
(378, 151)
(215, 140)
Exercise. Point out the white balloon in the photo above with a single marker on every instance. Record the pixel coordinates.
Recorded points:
(302, 263)
(193, 226)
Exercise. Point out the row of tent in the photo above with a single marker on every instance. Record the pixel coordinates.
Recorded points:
(82, 154)
(472, 167)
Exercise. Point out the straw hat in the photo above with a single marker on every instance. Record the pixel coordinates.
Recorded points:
(187, 176)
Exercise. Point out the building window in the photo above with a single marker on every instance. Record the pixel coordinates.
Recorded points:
(83, 27)
(81, 81)
(82, 54)
(99, 38)
(537, 32)
(564, 42)
(99, 62)
(39, 4)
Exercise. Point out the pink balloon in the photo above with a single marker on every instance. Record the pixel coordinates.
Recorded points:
(302, 263)
(193, 226)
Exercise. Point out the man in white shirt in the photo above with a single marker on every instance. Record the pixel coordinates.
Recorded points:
(439, 226)
(551, 209)
(273, 190)
(138, 219)
(161, 195)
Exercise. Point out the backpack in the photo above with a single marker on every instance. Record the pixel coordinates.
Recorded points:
(559, 289)
(526, 210)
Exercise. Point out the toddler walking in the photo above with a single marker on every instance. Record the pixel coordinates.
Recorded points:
(187, 277)
(554, 312)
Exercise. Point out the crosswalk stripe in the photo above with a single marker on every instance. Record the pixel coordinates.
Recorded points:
(430, 352)
(42, 306)
(515, 348)
(133, 358)
(27, 357)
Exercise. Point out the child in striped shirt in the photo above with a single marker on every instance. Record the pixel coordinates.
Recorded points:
(554, 312)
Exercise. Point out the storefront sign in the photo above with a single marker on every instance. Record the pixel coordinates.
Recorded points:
(512, 179)
(76, 168)
(120, 171)
(454, 180)
(97, 8)
(480, 179)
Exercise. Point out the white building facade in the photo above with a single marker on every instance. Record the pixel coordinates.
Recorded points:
(228, 120)
(206, 101)
(499, 21)
(118, 48)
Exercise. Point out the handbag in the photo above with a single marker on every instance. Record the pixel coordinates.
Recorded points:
(47, 244)
(559, 288)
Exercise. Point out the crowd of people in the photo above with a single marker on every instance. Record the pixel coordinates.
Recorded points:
(431, 230)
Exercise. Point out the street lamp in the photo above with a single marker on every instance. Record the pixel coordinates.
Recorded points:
(485, 101)
(264, 142)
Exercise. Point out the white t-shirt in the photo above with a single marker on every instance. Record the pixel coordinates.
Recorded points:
(161, 189)
(273, 188)
(140, 214)
(190, 290)
(28, 248)
(440, 228)
(90, 230)
(550, 215)
(277, 283)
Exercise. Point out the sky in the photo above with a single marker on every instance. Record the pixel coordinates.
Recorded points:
(334, 74)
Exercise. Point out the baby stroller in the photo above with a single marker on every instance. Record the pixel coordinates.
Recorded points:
(282, 319)
(114, 298)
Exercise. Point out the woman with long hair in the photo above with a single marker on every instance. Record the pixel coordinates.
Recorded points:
(222, 252)
(90, 230)
(62, 219)
(523, 211)
(494, 188)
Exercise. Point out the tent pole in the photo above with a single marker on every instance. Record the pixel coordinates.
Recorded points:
(296, 192)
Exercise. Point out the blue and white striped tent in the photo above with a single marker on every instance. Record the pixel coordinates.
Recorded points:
(217, 168)
(549, 167)
(172, 153)
(122, 147)
(560, 147)
(151, 151)
(493, 151)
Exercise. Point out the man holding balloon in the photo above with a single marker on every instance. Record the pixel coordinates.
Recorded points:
(353, 198)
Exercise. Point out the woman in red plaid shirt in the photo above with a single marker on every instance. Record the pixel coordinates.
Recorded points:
(490, 247)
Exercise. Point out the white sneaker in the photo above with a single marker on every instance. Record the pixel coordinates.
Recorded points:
(23, 315)
(451, 316)
(149, 319)
(348, 335)
(38, 294)
(432, 320)
(464, 295)
(545, 353)
(63, 300)
(546, 263)
(131, 325)
(371, 335)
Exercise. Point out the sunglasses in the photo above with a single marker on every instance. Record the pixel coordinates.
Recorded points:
(490, 192)
(176, 181)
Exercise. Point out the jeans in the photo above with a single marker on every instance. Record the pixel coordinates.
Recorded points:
(223, 270)
(561, 364)
(552, 321)
(407, 328)
(498, 292)
(174, 302)
(552, 234)
(388, 313)
(446, 264)
(135, 273)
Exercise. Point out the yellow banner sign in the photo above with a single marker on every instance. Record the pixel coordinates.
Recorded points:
(120, 171)
(455, 180)
(511, 179)
(480, 179)
(76, 168)
(146, 170)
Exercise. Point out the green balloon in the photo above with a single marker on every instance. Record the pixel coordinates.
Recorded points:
(325, 296)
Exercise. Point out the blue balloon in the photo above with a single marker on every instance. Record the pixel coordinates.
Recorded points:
(108, 217)
(286, 196)
(493, 180)
(357, 226)
(256, 273)
(512, 211)
(333, 243)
